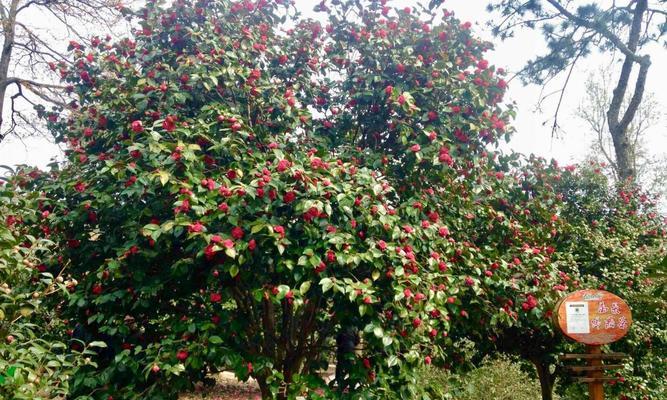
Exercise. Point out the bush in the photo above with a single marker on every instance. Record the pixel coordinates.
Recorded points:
(499, 379)
(35, 359)
(494, 379)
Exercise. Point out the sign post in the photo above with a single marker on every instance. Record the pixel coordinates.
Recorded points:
(594, 318)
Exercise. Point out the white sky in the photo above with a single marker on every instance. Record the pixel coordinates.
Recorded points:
(531, 136)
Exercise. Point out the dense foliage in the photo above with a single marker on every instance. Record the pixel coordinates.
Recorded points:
(35, 362)
(494, 379)
(243, 186)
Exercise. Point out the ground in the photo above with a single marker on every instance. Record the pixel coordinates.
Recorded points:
(226, 388)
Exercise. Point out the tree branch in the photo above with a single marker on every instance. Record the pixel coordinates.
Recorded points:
(12, 80)
(640, 85)
(603, 30)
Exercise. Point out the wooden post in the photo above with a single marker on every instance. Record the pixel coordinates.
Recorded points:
(595, 388)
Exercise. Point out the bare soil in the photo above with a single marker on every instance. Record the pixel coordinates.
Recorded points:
(226, 388)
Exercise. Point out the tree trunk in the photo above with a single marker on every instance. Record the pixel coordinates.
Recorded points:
(625, 154)
(546, 379)
(620, 121)
(9, 27)
(264, 388)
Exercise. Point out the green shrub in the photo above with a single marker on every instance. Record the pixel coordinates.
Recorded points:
(495, 379)
(35, 361)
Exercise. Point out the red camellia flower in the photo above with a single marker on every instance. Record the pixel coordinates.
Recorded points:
(182, 355)
(237, 233)
(137, 127)
(283, 165)
(530, 303)
(415, 148)
(320, 268)
(196, 227)
(382, 245)
(130, 181)
(289, 197)
(279, 230)
(216, 297)
(209, 252)
(169, 123)
(252, 245)
(97, 289)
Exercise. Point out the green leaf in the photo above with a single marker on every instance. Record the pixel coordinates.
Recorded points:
(363, 309)
(304, 287)
(257, 227)
(215, 340)
(326, 284)
(234, 270)
(164, 177)
(378, 332)
(392, 360)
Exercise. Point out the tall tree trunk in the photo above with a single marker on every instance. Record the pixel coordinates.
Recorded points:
(625, 155)
(618, 124)
(546, 379)
(9, 27)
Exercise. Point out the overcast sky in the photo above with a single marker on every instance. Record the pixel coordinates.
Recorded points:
(532, 135)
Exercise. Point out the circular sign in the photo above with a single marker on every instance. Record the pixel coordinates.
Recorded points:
(593, 317)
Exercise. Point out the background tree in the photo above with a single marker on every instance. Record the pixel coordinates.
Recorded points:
(28, 51)
(572, 30)
(651, 170)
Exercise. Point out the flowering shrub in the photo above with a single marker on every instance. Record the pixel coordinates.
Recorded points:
(35, 362)
(240, 190)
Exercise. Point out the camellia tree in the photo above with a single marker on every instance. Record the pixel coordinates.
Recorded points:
(236, 195)
(244, 187)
